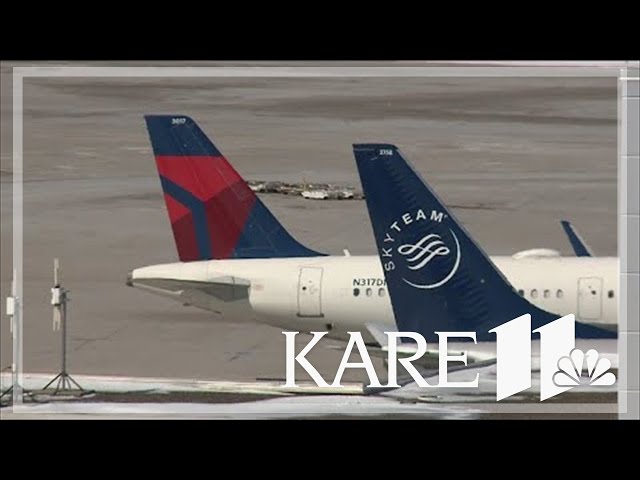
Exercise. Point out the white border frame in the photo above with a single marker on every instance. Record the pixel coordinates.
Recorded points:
(574, 69)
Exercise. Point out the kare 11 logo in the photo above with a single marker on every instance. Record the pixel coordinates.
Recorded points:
(561, 365)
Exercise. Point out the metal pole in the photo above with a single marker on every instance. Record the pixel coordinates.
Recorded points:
(16, 366)
(64, 332)
(59, 299)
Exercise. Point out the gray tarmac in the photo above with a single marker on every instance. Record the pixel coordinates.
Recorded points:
(513, 156)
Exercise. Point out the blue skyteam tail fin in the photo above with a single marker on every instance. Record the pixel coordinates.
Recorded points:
(439, 279)
(213, 212)
(579, 246)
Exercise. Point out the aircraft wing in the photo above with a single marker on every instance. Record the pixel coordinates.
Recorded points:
(199, 294)
(409, 391)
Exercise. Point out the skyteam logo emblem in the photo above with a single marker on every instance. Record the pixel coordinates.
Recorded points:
(435, 254)
(423, 252)
(429, 247)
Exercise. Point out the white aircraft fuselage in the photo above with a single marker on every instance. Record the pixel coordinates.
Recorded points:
(343, 293)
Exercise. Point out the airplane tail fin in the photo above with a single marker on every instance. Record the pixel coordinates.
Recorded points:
(439, 279)
(213, 212)
(580, 248)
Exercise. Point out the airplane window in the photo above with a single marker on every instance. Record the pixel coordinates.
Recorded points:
(369, 292)
(610, 293)
(381, 292)
(534, 293)
(559, 294)
(547, 294)
(356, 292)
(521, 292)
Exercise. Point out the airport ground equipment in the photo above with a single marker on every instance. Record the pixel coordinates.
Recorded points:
(14, 311)
(59, 300)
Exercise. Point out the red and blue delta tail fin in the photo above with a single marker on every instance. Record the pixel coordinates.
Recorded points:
(213, 212)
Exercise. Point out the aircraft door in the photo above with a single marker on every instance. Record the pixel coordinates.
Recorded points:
(589, 298)
(310, 292)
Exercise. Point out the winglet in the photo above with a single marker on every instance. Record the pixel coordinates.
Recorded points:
(580, 248)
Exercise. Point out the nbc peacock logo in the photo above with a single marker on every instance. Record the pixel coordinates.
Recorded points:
(572, 367)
